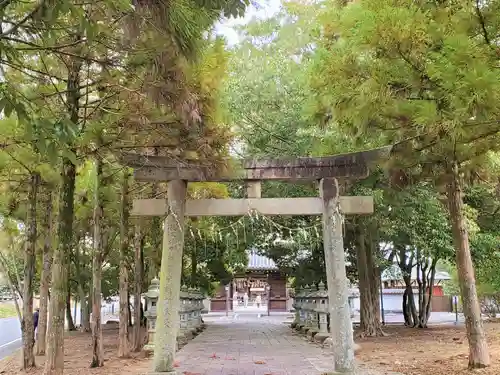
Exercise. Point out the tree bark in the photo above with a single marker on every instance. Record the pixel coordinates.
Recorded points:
(478, 348)
(431, 290)
(69, 317)
(123, 343)
(138, 286)
(129, 308)
(27, 324)
(428, 274)
(155, 235)
(369, 320)
(54, 362)
(405, 264)
(85, 311)
(41, 334)
(406, 311)
(411, 308)
(421, 282)
(97, 344)
(83, 296)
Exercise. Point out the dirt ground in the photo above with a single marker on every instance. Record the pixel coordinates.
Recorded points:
(439, 350)
(78, 354)
(435, 351)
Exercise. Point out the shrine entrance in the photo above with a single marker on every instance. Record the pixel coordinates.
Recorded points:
(330, 205)
(263, 284)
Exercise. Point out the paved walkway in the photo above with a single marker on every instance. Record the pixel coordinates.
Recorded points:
(252, 345)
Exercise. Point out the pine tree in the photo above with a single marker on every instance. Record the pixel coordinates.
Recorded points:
(424, 75)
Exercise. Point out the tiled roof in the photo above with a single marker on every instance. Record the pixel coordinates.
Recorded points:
(259, 262)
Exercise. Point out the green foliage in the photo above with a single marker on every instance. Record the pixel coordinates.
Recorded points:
(7, 310)
(392, 67)
(267, 87)
(419, 220)
(485, 243)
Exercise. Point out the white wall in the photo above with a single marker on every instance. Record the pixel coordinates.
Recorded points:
(392, 302)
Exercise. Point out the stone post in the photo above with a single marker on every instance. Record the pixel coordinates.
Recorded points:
(338, 292)
(167, 325)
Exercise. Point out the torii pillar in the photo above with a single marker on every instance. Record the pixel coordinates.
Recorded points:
(338, 293)
(170, 279)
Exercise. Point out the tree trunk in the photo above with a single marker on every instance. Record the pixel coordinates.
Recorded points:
(421, 286)
(84, 310)
(138, 287)
(406, 310)
(410, 302)
(369, 320)
(41, 334)
(431, 290)
(123, 343)
(54, 362)
(83, 296)
(478, 348)
(409, 308)
(27, 324)
(129, 308)
(156, 235)
(374, 273)
(97, 344)
(69, 317)
(428, 276)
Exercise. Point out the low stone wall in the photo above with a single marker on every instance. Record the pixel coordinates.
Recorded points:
(190, 308)
(312, 317)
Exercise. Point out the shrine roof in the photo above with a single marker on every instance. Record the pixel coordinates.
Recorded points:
(260, 262)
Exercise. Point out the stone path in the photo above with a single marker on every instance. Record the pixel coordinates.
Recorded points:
(248, 345)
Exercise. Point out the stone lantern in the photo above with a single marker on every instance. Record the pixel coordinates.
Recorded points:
(150, 314)
(322, 309)
(301, 300)
(183, 335)
(314, 299)
(297, 302)
(353, 293)
(306, 308)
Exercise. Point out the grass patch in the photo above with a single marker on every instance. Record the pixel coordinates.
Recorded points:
(7, 310)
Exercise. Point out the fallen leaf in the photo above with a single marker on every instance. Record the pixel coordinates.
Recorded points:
(191, 373)
(260, 362)
(176, 364)
(214, 356)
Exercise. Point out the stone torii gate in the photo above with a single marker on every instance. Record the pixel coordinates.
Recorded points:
(329, 204)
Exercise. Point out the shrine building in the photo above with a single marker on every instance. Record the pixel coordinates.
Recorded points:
(261, 278)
